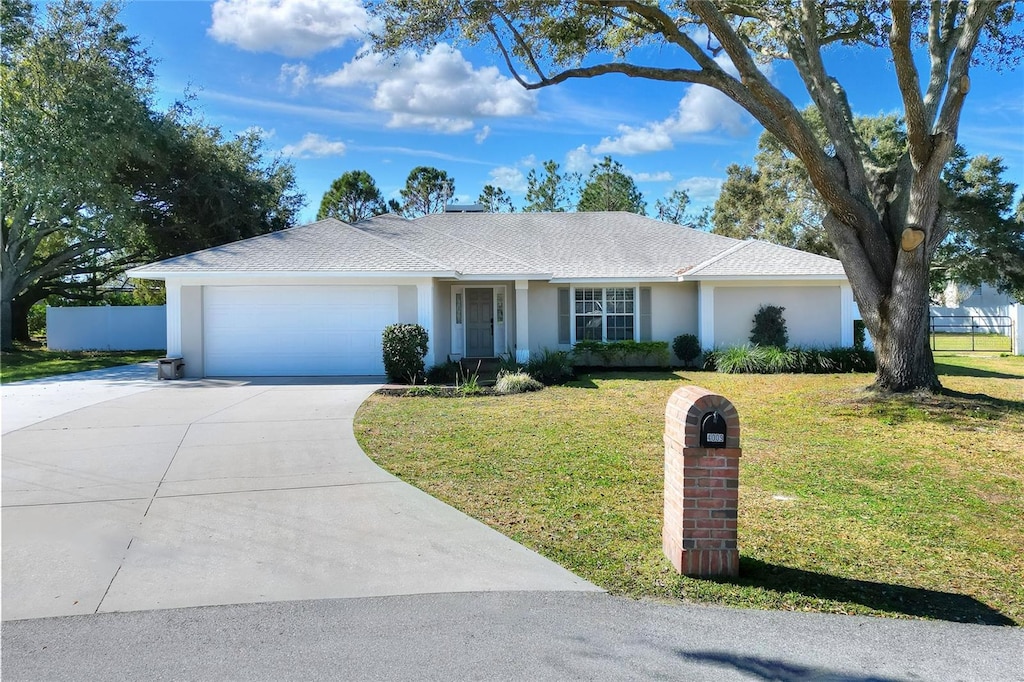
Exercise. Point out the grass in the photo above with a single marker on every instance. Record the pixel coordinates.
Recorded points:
(34, 363)
(987, 343)
(848, 503)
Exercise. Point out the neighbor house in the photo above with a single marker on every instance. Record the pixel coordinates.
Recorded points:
(313, 300)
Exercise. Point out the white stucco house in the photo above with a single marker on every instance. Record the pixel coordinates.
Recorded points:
(313, 299)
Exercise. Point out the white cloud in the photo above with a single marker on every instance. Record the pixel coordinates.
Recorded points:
(314, 146)
(701, 110)
(483, 134)
(294, 28)
(580, 160)
(509, 179)
(439, 90)
(261, 131)
(294, 76)
(663, 176)
(701, 188)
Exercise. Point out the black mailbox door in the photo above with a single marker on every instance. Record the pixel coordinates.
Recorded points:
(712, 430)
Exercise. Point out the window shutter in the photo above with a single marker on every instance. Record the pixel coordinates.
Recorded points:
(564, 317)
(645, 314)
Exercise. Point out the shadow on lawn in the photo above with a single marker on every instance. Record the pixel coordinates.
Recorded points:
(585, 376)
(911, 601)
(985, 399)
(943, 369)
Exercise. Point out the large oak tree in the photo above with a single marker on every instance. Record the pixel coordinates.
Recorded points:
(885, 222)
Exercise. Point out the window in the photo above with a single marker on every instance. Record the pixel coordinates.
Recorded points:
(458, 308)
(604, 314)
(499, 314)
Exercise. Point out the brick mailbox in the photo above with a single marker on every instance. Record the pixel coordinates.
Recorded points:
(702, 458)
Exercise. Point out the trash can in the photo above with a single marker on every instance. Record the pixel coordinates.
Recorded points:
(170, 368)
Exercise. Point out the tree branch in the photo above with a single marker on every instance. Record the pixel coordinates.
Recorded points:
(910, 88)
(978, 12)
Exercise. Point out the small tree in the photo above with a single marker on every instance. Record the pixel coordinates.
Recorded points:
(686, 347)
(404, 347)
(769, 327)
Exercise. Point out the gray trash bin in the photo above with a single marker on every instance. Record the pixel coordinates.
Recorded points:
(170, 368)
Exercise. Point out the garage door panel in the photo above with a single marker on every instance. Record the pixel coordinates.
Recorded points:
(296, 330)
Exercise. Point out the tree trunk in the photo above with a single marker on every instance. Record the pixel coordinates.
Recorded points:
(901, 334)
(6, 335)
(19, 321)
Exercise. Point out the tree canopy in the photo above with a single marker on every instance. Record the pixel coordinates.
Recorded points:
(426, 190)
(608, 188)
(495, 200)
(885, 221)
(986, 239)
(92, 180)
(352, 197)
(551, 192)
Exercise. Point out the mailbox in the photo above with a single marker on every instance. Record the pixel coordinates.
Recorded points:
(712, 430)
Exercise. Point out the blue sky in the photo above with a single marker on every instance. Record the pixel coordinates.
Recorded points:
(290, 67)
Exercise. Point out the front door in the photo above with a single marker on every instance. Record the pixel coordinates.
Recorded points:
(479, 323)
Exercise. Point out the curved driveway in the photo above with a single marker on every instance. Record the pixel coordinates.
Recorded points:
(122, 493)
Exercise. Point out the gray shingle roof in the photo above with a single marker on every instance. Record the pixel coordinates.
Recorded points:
(568, 246)
(325, 246)
(763, 259)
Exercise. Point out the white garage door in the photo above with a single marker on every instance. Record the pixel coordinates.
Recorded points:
(296, 330)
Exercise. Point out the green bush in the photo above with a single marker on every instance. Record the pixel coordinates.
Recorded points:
(507, 363)
(769, 327)
(404, 346)
(627, 353)
(516, 382)
(747, 359)
(743, 359)
(859, 333)
(550, 367)
(686, 347)
(443, 373)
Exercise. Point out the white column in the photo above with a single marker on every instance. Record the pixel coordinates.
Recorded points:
(522, 320)
(706, 314)
(173, 288)
(846, 308)
(1017, 318)
(425, 316)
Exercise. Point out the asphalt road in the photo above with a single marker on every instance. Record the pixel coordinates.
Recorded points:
(502, 636)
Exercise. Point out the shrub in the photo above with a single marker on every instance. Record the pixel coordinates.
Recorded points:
(626, 353)
(467, 382)
(586, 352)
(550, 367)
(516, 382)
(745, 359)
(769, 327)
(748, 359)
(686, 347)
(404, 346)
(444, 373)
(859, 334)
(508, 364)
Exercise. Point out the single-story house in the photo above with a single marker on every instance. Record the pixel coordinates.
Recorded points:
(313, 299)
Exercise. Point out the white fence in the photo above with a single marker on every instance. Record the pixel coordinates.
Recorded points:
(106, 328)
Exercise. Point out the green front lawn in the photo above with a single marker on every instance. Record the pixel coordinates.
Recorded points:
(34, 363)
(848, 504)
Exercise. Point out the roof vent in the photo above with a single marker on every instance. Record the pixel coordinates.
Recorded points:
(465, 208)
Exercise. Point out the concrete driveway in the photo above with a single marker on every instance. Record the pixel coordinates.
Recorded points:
(151, 495)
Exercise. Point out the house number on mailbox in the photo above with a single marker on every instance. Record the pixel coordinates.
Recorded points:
(712, 430)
